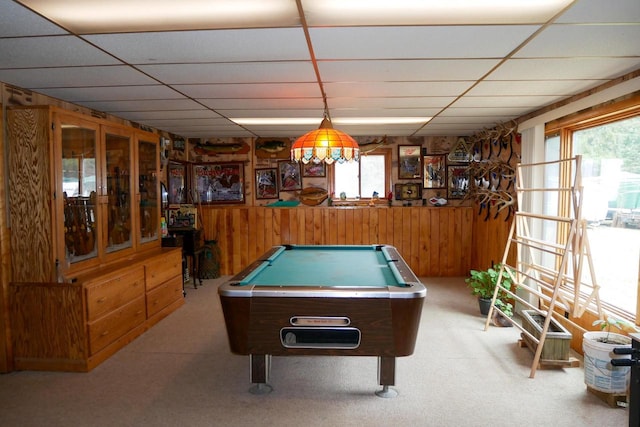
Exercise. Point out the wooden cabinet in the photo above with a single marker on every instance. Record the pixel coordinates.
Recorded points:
(76, 326)
(84, 191)
(88, 271)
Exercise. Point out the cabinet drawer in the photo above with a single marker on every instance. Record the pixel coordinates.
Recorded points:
(163, 295)
(162, 268)
(108, 329)
(117, 290)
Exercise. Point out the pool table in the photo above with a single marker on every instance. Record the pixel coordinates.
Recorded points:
(336, 300)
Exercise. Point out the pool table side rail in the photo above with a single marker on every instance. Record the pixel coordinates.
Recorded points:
(412, 288)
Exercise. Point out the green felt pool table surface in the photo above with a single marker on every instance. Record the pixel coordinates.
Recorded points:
(335, 266)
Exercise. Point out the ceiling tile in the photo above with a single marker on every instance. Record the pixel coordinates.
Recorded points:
(519, 101)
(264, 103)
(143, 105)
(206, 46)
(593, 11)
(112, 93)
(391, 102)
(564, 68)
(532, 87)
(57, 51)
(251, 90)
(236, 72)
(418, 42)
(584, 40)
(404, 70)
(38, 78)
(17, 21)
(401, 89)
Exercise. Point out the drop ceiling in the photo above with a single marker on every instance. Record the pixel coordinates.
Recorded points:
(194, 70)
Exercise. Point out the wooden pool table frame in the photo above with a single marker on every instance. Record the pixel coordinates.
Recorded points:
(387, 319)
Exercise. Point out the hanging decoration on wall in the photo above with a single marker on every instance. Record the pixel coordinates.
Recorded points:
(491, 174)
(208, 148)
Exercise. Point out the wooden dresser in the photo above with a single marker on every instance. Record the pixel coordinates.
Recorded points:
(76, 326)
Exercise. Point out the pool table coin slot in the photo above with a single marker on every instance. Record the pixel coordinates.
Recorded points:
(319, 321)
(319, 337)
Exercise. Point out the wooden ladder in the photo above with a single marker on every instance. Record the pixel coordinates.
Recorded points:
(550, 266)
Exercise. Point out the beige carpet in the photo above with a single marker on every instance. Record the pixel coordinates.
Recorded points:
(181, 373)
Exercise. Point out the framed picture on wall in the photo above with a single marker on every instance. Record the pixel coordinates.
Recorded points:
(289, 177)
(435, 171)
(267, 183)
(177, 183)
(217, 183)
(458, 181)
(312, 170)
(409, 161)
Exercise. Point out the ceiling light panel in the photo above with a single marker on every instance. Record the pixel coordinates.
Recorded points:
(429, 12)
(418, 42)
(206, 46)
(99, 16)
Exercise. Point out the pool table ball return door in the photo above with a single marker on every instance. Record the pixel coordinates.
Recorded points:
(300, 300)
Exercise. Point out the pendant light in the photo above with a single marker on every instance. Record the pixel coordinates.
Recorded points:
(325, 144)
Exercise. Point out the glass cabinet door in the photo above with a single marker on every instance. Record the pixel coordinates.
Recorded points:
(148, 187)
(79, 191)
(118, 191)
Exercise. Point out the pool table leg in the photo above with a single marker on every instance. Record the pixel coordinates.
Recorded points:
(260, 368)
(386, 376)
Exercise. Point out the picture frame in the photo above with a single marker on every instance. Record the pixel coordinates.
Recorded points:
(314, 170)
(177, 183)
(219, 183)
(289, 177)
(408, 191)
(435, 171)
(267, 183)
(409, 161)
(458, 181)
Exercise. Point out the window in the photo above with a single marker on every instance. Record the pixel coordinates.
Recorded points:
(610, 150)
(359, 180)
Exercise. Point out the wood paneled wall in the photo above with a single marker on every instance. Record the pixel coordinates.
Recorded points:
(433, 241)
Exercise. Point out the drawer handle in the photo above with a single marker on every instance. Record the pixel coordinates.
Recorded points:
(103, 299)
(105, 333)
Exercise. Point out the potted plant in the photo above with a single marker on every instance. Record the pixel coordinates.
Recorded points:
(483, 284)
(599, 373)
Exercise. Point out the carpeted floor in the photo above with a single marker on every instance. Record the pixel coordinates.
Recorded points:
(181, 373)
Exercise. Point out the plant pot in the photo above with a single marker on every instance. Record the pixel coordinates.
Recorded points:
(485, 305)
(557, 341)
(599, 374)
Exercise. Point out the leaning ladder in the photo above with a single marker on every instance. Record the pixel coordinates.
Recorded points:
(541, 288)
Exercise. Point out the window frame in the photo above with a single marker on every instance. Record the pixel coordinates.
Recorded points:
(386, 152)
(564, 129)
